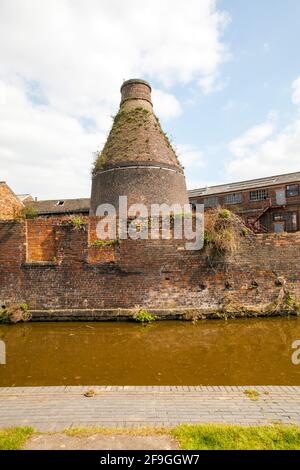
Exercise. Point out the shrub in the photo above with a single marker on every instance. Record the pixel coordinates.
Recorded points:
(15, 313)
(143, 316)
(28, 212)
(222, 234)
(77, 222)
(285, 304)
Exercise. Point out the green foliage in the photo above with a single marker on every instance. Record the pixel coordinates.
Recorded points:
(102, 243)
(291, 302)
(143, 316)
(228, 437)
(285, 304)
(28, 212)
(77, 222)
(24, 307)
(4, 315)
(224, 214)
(15, 313)
(14, 438)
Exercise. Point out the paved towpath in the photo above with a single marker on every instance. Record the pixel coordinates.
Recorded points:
(58, 408)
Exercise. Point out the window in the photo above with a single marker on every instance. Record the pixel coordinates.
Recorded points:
(60, 203)
(291, 222)
(234, 198)
(285, 221)
(211, 201)
(292, 190)
(278, 216)
(279, 227)
(259, 195)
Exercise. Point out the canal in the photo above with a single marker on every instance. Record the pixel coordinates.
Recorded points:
(233, 352)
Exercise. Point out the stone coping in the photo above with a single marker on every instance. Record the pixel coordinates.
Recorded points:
(126, 314)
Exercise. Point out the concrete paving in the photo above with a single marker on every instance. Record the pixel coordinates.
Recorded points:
(59, 408)
(100, 442)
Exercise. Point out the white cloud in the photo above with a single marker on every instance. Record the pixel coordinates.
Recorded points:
(42, 150)
(192, 160)
(72, 55)
(166, 105)
(262, 152)
(296, 91)
(244, 144)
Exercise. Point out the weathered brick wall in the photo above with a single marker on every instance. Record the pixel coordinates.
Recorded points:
(10, 205)
(41, 240)
(154, 274)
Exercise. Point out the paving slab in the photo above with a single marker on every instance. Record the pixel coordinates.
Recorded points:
(58, 408)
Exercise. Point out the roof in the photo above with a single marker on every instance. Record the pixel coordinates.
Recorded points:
(3, 183)
(23, 197)
(245, 185)
(60, 206)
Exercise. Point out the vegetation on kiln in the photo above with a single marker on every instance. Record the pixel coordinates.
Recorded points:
(130, 136)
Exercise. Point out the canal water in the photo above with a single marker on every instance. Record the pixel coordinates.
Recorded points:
(233, 352)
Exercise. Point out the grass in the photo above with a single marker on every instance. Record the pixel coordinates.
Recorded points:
(144, 431)
(225, 437)
(14, 438)
(252, 394)
(189, 437)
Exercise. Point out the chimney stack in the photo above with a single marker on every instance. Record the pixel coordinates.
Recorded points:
(136, 90)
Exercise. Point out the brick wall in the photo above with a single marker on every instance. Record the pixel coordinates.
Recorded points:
(153, 273)
(41, 240)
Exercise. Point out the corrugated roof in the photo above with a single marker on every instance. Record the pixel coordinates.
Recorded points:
(245, 185)
(60, 206)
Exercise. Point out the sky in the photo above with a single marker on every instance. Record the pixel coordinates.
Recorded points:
(225, 76)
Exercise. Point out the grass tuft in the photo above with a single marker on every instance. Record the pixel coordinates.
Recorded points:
(252, 394)
(14, 438)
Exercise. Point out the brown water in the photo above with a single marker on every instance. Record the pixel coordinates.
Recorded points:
(236, 352)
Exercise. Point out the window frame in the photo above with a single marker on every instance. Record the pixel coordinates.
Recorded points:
(233, 201)
(288, 189)
(216, 198)
(259, 192)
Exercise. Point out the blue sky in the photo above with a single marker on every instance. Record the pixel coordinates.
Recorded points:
(263, 37)
(225, 77)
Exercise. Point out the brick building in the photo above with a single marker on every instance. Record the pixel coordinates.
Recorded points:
(269, 204)
(10, 204)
